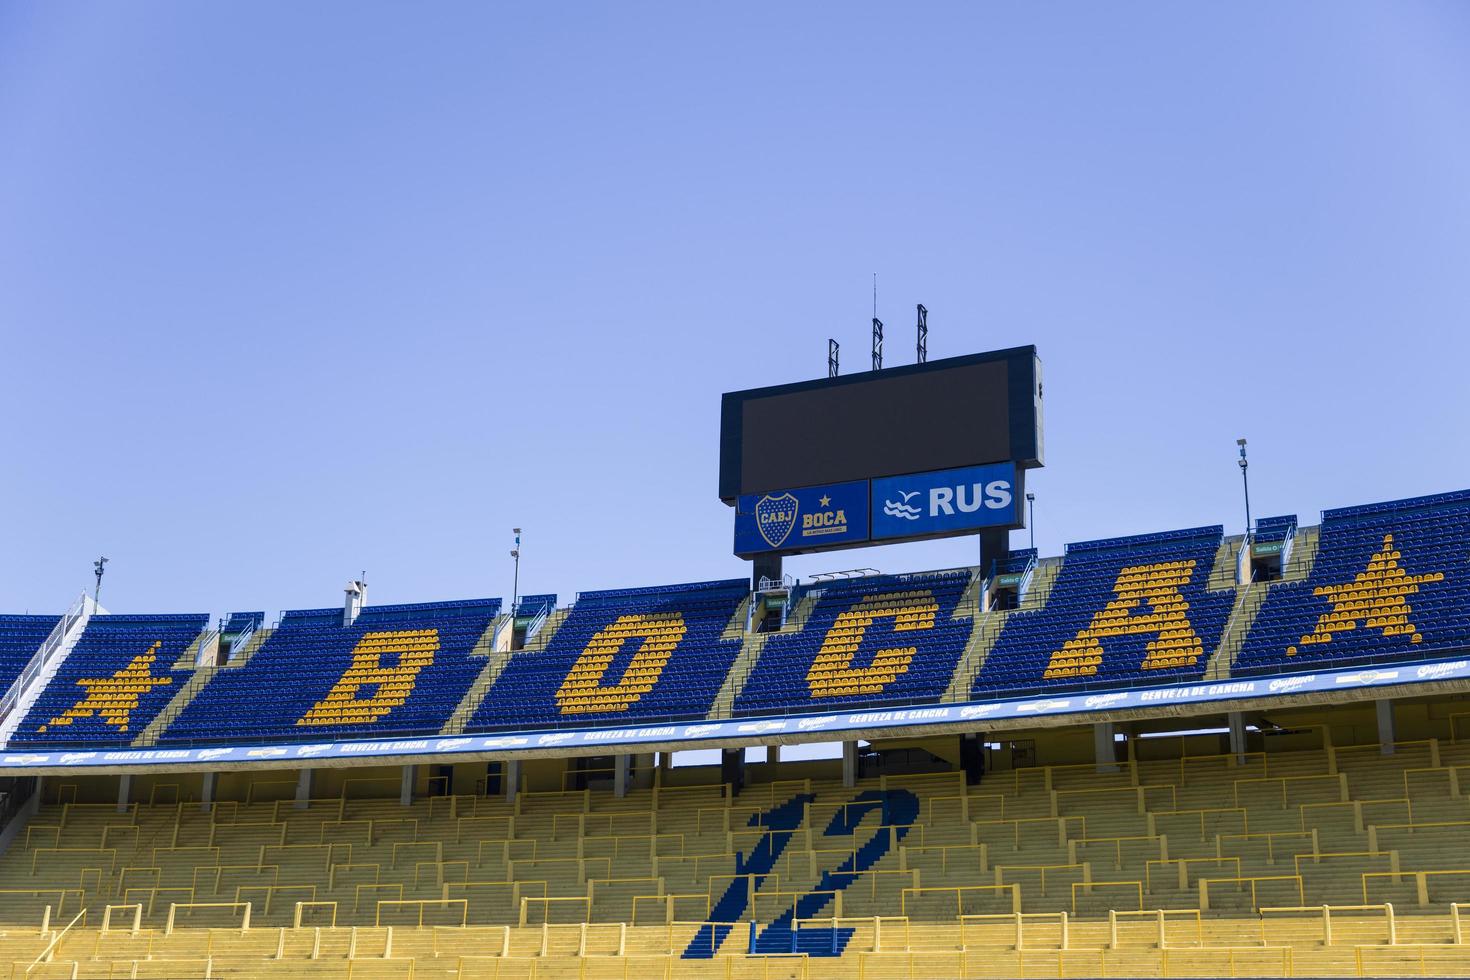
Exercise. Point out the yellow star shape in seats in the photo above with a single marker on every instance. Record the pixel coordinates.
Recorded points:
(826, 500)
(113, 698)
(1376, 598)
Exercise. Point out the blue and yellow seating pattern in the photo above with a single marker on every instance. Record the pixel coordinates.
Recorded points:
(1389, 581)
(398, 669)
(1123, 610)
(114, 682)
(868, 641)
(651, 653)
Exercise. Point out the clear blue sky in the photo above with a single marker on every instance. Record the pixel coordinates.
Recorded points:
(288, 291)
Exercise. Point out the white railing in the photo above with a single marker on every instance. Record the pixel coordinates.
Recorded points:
(242, 638)
(535, 625)
(79, 612)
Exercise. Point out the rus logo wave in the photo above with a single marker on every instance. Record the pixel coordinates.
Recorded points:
(903, 508)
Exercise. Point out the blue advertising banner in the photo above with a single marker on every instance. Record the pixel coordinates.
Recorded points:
(795, 520)
(945, 501)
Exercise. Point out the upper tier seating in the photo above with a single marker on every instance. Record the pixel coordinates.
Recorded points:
(20, 638)
(868, 641)
(623, 655)
(397, 670)
(1272, 529)
(1123, 610)
(114, 681)
(1390, 581)
(533, 605)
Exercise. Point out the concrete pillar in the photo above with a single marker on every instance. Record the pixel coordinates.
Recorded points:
(643, 770)
(510, 779)
(849, 764)
(1236, 721)
(1102, 747)
(303, 789)
(206, 795)
(621, 765)
(1385, 726)
(773, 755)
(124, 791)
(405, 786)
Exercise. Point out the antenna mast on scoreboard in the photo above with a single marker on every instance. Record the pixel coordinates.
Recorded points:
(923, 341)
(877, 329)
(832, 351)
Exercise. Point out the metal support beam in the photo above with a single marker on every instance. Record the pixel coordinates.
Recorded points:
(303, 789)
(1386, 735)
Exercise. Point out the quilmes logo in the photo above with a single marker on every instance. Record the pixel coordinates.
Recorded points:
(700, 731)
(555, 739)
(812, 724)
(775, 517)
(1431, 672)
(208, 754)
(901, 507)
(450, 744)
(1284, 684)
(1105, 700)
(979, 710)
(72, 758)
(307, 750)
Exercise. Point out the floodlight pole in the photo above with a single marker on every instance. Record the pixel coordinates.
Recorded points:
(832, 351)
(1031, 517)
(515, 588)
(98, 568)
(1246, 485)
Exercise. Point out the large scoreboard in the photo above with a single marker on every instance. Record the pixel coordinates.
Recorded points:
(919, 451)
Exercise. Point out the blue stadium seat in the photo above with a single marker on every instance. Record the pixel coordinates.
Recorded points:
(1390, 581)
(869, 641)
(622, 655)
(398, 670)
(1122, 611)
(20, 638)
(116, 679)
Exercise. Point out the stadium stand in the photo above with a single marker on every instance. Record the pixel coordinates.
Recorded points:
(1122, 611)
(399, 669)
(1391, 581)
(1322, 861)
(20, 638)
(867, 641)
(116, 679)
(644, 653)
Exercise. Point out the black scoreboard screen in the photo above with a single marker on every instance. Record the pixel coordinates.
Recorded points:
(960, 411)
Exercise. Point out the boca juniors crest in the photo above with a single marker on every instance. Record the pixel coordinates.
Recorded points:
(802, 520)
(775, 517)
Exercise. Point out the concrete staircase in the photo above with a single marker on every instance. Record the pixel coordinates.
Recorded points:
(988, 627)
(1250, 597)
(494, 665)
(197, 682)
